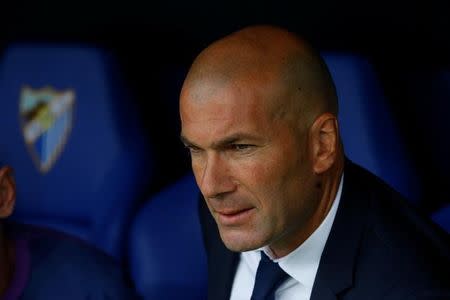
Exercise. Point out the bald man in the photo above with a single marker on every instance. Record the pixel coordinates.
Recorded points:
(284, 214)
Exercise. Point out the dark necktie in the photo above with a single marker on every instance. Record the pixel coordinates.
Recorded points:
(269, 277)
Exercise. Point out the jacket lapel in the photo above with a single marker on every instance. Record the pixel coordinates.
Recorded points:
(221, 274)
(322, 291)
(335, 273)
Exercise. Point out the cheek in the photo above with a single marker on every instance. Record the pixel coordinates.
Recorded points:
(253, 171)
(196, 169)
(279, 179)
(262, 177)
(198, 164)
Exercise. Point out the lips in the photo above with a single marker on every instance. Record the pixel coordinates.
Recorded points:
(233, 217)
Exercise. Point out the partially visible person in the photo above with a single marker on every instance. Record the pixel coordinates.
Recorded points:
(41, 264)
(285, 215)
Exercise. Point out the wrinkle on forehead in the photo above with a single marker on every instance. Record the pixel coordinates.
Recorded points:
(215, 101)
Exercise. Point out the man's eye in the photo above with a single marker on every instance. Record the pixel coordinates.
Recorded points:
(193, 149)
(241, 147)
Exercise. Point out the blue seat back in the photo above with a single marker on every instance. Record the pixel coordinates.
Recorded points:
(71, 133)
(442, 217)
(166, 254)
(429, 99)
(370, 135)
(429, 102)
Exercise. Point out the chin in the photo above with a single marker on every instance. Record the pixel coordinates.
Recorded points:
(240, 241)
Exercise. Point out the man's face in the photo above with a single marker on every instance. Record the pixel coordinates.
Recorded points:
(252, 167)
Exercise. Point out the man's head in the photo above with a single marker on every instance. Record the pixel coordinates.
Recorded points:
(7, 192)
(258, 112)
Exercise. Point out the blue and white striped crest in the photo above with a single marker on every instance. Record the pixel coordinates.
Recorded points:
(46, 116)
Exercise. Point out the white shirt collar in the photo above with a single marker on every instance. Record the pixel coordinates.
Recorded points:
(302, 263)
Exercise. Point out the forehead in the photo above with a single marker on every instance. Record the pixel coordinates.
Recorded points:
(210, 110)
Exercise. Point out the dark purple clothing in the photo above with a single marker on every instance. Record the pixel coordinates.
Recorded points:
(51, 265)
(21, 270)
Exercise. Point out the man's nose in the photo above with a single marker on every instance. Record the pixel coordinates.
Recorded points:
(214, 177)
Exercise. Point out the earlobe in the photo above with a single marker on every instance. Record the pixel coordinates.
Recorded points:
(325, 142)
(7, 192)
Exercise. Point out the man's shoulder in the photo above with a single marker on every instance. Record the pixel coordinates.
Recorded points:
(50, 245)
(65, 267)
(46, 244)
(401, 248)
(395, 220)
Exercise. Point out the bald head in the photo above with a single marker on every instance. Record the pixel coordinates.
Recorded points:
(272, 61)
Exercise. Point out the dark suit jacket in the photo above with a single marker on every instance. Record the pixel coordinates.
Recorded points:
(378, 248)
(63, 267)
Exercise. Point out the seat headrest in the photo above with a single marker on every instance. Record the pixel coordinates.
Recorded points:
(367, 125)
(166, 253)
(72, 134)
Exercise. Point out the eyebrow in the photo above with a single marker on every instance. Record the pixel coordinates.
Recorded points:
(224, 142)
(185, 140)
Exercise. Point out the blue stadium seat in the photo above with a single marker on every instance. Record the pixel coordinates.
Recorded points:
(71, 133)
(369, 133)
(166, 254)
(442, 217)
(166, 250)
(429, 102)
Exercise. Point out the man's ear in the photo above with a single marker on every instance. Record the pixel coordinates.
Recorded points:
(325, 142)
(7, 192)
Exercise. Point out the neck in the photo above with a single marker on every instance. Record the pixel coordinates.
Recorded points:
(6, 262)
(330, 188)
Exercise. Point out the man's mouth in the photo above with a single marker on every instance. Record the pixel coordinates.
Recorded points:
(234, 217)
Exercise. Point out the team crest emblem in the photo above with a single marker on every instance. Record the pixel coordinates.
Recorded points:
(46, 116)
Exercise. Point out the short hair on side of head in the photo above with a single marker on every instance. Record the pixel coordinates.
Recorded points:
(313, 92)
